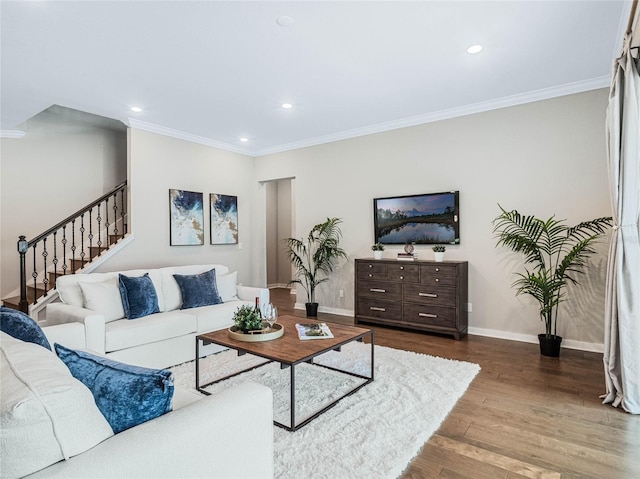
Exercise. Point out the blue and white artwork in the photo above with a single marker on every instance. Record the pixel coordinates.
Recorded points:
(224, 219)
(187, 218)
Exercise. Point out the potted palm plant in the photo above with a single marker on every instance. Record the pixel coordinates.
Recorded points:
(315, 257)
(553, 254)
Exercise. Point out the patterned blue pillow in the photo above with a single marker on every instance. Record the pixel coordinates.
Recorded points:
(198, 289)
(21, 326)
(139, 297)
(126, 395)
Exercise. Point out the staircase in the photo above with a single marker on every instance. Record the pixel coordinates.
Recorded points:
(71, 246)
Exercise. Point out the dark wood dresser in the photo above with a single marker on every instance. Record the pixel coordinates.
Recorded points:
(422, 295)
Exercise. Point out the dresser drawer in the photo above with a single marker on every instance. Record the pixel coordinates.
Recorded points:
(379, 309)
(435, 294)
(429, 315)
(409, 273)
(383, 290)
(439, 274)
(371, 270)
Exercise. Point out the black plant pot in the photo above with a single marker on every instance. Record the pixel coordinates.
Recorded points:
(312, 310)
(550, 345)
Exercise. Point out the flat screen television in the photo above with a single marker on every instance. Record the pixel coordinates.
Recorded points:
(431, 218)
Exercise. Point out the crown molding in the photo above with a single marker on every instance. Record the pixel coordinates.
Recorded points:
(504, 102)
(11, 134)
(182, 135)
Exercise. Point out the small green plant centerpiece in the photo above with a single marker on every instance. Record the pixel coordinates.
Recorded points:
(377, 247)
(247, 319)
(554, 254)
(438, 252)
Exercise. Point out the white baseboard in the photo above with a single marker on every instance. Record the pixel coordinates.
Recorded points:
(322, 309)
(528, 338)
(490, 333)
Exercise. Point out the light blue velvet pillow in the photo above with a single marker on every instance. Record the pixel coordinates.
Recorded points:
(21, 326)
(198, 289)
(139, 297)
(126, 395)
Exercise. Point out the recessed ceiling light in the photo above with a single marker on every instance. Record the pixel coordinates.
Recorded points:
(475, 49)
(244, 140)
(284, 21)
(287, 106)
(136, 109)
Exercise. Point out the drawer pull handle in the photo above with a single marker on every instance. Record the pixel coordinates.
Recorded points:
(427, 315)
(401, 277)
(437, 270)
(370, 266)
(401, 268)
(377, 290)
(437, 280)
(428, 295)
(373, 308)
(370, 275)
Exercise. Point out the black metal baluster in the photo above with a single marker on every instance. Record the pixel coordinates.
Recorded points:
(73, 246)
(123, 211)
(106, 222)
(55, 260)
(45, 254)
(99, 222)
(64, 250)
(90, 235)
(115, 215)
(82, 230)
(34, 274)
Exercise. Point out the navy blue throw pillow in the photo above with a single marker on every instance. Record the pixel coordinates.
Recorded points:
(21, 326)
(198, 289)
(126, 395)
(139, 297)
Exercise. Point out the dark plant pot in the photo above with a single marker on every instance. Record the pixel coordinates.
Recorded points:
(550, 345)
(312, 310)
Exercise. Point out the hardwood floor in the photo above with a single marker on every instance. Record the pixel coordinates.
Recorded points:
(523, 416)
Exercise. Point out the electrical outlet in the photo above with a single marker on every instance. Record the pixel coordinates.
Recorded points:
(342, 293)
(239, 245)
(469, 307)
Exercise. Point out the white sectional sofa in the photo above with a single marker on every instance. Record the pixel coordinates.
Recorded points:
(158, 340)
(51, 427)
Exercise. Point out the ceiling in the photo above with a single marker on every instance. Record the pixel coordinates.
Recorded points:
(214, 72)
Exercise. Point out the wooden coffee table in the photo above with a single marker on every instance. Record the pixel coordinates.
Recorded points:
(289, 351)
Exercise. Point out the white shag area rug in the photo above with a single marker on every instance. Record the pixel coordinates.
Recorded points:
(373, 433)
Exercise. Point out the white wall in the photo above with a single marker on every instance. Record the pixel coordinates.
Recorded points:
(541, 158)
(66, 160)
(158, 163)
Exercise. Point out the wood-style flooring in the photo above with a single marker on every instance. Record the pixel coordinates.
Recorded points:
(523, 416)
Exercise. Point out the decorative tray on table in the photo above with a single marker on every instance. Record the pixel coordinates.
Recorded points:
(258, 335)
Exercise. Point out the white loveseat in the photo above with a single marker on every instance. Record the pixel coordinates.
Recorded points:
(51, 427)
(158, 340)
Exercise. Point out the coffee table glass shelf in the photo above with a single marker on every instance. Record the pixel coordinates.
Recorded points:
(289, 351)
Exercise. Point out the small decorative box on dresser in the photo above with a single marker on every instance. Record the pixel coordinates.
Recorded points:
(422, 295)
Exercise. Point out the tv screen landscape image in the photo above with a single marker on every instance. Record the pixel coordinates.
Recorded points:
(431, 218)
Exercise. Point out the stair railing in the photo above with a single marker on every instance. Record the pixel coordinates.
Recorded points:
(73, 236)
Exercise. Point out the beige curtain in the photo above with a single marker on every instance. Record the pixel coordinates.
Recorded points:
(622, 303)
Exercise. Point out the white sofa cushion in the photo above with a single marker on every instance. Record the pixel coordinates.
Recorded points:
(104, 297)
(69, 289)
(227, 286)
(171, 290)
(127, 333)
(46, 414)
(217, 317)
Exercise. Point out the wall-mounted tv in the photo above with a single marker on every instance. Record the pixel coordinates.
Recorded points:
(431, 218)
